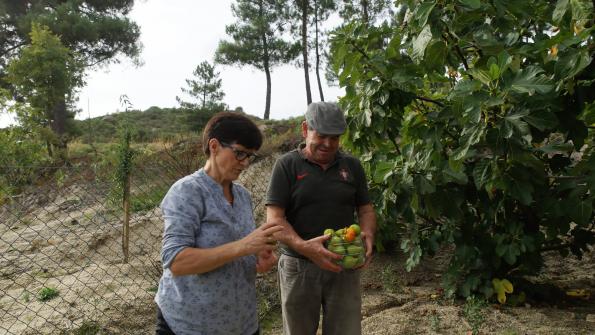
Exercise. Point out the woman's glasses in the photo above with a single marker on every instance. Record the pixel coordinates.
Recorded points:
(240, 154)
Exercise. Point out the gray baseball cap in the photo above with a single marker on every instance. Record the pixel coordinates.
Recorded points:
(326, 118)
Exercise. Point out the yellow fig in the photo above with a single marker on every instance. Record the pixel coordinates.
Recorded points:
(508, 288)
(579, 293)
(578, 28)
(501, 290)
(502, 297)
(554, 50)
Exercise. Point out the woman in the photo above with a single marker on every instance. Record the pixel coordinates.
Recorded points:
(211, 247)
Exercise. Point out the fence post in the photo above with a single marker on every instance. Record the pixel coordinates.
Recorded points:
(123, 179)
(126, 225)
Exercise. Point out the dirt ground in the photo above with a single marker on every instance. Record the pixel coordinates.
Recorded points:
(399, 302)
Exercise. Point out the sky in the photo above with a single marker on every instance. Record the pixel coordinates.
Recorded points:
(176, 37)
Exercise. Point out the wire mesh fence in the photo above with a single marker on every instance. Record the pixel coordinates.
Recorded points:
(62, 264)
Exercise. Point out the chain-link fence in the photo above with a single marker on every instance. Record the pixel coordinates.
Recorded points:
(62, 264)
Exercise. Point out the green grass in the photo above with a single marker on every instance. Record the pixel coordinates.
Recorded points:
(390, 279)
(435, 322)
(148, 200)
(473, 311)
(26, 296)
(87, 328)
(47, 293)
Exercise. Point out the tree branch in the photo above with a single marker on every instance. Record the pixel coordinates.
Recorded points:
(8, 50)
(430, 100)
(460, 54)
(379, 73)
(101, 60)
(396, 145)
(458, 51)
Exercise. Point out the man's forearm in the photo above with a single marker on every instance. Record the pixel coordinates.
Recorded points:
(367, 219)
(287, 236)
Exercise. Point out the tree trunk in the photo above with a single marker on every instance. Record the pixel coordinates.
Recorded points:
(365, 15)
(265, 65)
(267, 71)
(58, 123)
(48, 146)
(304, 4)
(317, 52)
(58, 126)
(267, 108)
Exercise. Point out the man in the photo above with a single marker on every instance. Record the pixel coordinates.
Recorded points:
(313, 188)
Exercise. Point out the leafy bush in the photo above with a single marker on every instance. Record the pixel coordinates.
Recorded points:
(21, 155)
(475, 123)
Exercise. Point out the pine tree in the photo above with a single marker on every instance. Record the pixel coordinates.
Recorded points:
(256, 40)
(204, 87)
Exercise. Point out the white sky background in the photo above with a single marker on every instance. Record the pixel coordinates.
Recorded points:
(176, 37)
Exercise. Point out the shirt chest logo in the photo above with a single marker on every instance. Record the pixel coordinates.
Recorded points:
(301, 176)
(344, 174)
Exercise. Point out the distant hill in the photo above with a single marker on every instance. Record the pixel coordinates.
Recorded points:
(148, 125)
(163, 123)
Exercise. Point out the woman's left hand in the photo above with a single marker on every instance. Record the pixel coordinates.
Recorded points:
(265, 260)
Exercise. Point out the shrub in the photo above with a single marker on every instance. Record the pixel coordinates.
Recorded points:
(21, 156)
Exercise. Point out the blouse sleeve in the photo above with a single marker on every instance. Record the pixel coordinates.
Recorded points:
(180, 208)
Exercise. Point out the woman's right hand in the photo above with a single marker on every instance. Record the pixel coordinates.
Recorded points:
(261, 238)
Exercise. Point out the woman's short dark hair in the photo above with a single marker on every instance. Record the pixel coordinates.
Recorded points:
(231, 127)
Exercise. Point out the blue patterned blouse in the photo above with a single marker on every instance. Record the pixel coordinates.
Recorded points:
(222, 301)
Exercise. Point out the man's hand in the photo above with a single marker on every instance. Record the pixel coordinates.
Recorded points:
(368, 239)
(315, 251)
(367, 219)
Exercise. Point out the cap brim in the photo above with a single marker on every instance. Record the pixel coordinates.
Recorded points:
(332, 133)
